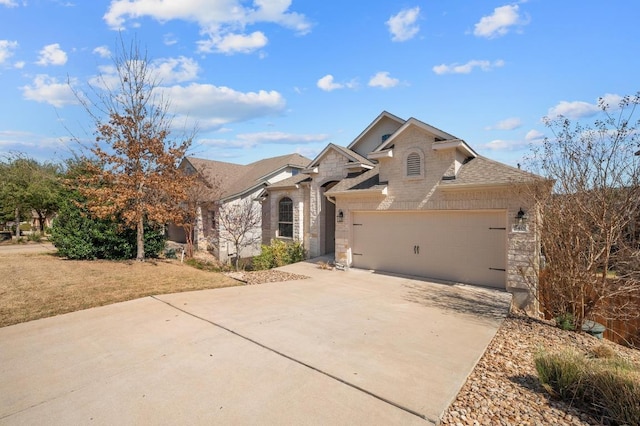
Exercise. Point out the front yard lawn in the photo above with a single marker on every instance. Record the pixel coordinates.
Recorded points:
(36, 286)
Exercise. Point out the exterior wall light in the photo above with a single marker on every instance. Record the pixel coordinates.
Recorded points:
(521, 219)
(340, 217)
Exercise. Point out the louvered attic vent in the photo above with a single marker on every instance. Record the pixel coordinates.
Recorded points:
(413, 164)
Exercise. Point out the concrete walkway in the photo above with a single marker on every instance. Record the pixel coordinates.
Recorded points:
(339, 348)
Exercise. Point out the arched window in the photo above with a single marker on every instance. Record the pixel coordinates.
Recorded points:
(414, 166)
(285, 218)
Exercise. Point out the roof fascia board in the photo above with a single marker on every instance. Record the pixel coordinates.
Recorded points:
(325, 150)
(241, 194)
(385, 153)
(276, 171)
(457, 143)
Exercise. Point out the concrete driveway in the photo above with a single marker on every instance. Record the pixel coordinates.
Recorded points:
(340, 348)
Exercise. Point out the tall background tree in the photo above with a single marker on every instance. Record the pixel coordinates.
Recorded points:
(28, 186)
(591, 218)
(135, 176)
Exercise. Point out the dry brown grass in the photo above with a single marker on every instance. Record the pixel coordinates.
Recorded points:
(36, 286)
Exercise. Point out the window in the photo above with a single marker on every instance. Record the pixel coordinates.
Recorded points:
(413, 164)
(285, 218)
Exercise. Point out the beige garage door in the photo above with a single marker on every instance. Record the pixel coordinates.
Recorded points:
(467, 247)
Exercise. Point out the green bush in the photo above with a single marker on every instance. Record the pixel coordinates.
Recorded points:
(77, 235)
(560, 372)
(615, 392)
(609, 386)
(278, 253)
(566, 321)
(35, 237)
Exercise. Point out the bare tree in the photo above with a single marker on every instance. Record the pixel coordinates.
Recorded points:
(239, 224)
(135, 178)
(589, 236)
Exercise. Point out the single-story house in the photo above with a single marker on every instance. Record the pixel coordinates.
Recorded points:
(233, 188)
(406, 197)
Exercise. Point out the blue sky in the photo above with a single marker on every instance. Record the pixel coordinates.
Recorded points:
(271, 77)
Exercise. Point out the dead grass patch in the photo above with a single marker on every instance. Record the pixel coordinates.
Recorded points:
(36, 286)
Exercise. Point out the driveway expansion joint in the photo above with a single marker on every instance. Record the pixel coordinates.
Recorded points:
(302, 363)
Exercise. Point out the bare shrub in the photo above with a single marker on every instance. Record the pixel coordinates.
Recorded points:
(590, 233)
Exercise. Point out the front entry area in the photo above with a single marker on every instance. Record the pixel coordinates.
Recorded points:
(467, 247)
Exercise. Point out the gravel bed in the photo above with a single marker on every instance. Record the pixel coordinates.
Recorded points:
(262, 277)
(503, 388)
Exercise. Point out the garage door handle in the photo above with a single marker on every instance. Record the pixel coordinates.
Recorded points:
(416, 249)
(498, 269)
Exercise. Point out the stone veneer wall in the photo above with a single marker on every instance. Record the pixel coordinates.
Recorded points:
(297, 196)
(331, 168)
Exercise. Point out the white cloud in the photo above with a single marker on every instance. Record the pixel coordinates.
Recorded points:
(165, 71)
(102, 51)
(383, 80)
(578, 109)
(234, 43)
(220, 21)
(175, 70)
(19, 65)
(169, 39)
(13, 139)
(51, 54)
(6, 50)
(250, 140)
(507, 124)
(455, 68)
(500, 22)
(402, 26)
(534, 135)
(214, 106)
(497, 144)
(328, 84)
(504, 145)
(612, 100)
(47, 89)
(8, 3)
(573, 110)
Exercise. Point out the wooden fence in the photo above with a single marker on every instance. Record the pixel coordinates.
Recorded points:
(625, 332)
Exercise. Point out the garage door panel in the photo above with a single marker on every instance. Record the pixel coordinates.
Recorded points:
(459, 246)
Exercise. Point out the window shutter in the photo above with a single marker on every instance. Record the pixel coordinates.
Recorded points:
(413, 164)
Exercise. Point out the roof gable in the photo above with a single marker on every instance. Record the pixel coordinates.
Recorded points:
(412, 122)
(350, 155)
(384, 125)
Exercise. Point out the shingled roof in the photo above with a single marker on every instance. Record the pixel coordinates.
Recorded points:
(483, 171)
(479, 171)
(235, 179)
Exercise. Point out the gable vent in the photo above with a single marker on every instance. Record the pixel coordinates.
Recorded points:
(413, 164)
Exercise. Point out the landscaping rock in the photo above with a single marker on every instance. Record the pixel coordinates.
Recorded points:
(262, 277)
(504, 389)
